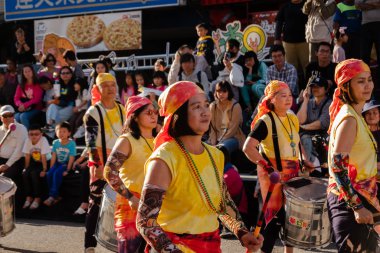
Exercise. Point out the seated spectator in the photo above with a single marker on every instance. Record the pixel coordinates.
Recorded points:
(176, 64)
(49, 69)
(71, 60)
(81, 165)
(141, 80)
(11, 158)
(160, 65)
(255, 75)
(347, 15)
(371, 114)
(46, 85)
(37, 154)
(340, 38)
(323, 67)
(28, 97)
(159, 81)
(61, 107)
(63, 155)
(226, 120)
(11, 82)
(314, 116)
(81, 105)
(129, 89)
(188, 73)
(281, 70)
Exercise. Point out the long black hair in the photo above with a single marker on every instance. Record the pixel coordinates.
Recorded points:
(179, 126)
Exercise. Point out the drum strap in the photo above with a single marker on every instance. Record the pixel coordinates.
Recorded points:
(275, 143)
(103, 134)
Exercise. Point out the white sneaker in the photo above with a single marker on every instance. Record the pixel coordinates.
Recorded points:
(89, 250)
(79, 133)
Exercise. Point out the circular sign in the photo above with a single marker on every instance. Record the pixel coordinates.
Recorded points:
(254, 33)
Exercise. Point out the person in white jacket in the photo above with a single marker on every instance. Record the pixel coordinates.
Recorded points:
(319, 26)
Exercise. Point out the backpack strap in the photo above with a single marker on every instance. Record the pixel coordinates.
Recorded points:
(275, 142)
(119, 105)
(103, 134)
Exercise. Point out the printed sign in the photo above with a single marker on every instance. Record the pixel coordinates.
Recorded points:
(103, 32)
(33, 9)
(267, 21)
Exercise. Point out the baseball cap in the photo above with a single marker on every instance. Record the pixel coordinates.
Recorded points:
(318, 81)
(370, 105)
(6, 109)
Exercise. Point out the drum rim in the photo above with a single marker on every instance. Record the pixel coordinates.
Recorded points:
(8, 182)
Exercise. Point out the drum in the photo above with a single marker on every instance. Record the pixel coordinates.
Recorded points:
(307, 223)
(7, 205)
(105, 232)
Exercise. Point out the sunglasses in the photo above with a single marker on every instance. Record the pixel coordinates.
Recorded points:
(10, 115)
(65, 73)
(151, 112)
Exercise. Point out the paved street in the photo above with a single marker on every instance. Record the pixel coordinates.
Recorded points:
(40, 236)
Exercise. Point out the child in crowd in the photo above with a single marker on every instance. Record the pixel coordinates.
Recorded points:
(204, 50)
(160, 65)
(159, 81)
(140, 80)
(371, 114)
(81, 105)
(37, 153)
(130, 87)
(340, 38)
(63, 155)
(47, 85)
(81, 165)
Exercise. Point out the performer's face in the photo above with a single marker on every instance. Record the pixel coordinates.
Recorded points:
(147, 119)
(361, 87)
(283, 100)
(199, 114)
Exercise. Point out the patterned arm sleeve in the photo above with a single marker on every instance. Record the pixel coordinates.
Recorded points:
(146, 221)
(111, 173)
(344, 186)
(91, 134)
(232, 219)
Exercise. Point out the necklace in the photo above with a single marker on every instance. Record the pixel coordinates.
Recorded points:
(109, 120)
(195, 173)
(292, 143)
(147, 143)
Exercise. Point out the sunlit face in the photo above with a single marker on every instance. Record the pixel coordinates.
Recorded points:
(108, 90)
(35, 135)
(221, 95)
(199, 114)
(201, 32)
(66, 75)
(283, 100)
(147, 119)
(372, 117)
(361, 87)
(140, 80)
(158, 82)
(28, 73)
(7, 119)
(62, 133)
(100, 68)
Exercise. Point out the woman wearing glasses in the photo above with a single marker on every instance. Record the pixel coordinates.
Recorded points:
(61, 107)
(49, 69)
(124, 170)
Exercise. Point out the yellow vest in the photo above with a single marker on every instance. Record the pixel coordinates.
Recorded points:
(286, 150)
(362, 154)
(183, 208)
(132, 170)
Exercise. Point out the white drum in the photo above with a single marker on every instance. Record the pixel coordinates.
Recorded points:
(105, 231)
(307, 223)
(7, 205)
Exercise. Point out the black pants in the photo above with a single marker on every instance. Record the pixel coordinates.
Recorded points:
(95, 198)
(349, 235)
(14, 172)
(85, 181)
(32, 180)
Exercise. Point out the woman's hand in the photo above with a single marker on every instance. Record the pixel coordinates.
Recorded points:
(363, 216)
(251, 243)
(21, 108)
(134, 202)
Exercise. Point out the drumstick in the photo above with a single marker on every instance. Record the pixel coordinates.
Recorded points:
(11, 128)
(274, 178)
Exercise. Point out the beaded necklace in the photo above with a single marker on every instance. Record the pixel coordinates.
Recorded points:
(292, 143)
(195, 173)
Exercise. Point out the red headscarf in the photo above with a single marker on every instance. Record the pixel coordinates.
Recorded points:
(270, 91)
(134, 103)
(344, 72)
(169, 101)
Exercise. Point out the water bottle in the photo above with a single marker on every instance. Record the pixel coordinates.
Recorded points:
(56, 86)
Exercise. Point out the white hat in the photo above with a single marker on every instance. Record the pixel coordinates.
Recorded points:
(6, 109)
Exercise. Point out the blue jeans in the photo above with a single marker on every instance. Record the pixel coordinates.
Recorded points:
(58, 114)
(54, 178)
(231, 144)
(25, 117)
(307, 144)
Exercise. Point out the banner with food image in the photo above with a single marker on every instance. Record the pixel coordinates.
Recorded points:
(89, 33)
